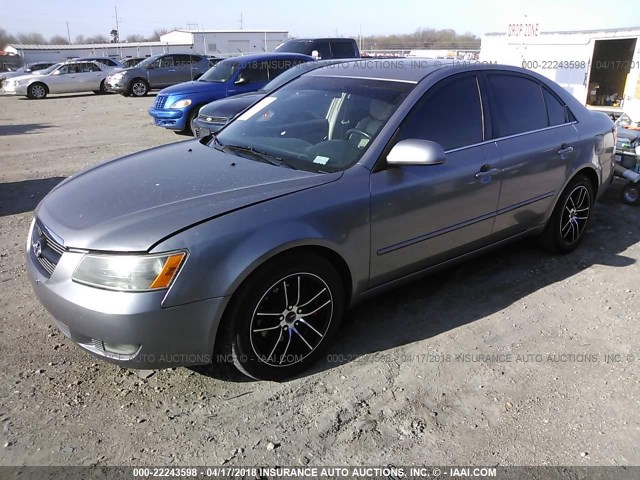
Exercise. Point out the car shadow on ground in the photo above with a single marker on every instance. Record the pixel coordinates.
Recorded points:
(22, 129)
(473, 290)
(24, 196)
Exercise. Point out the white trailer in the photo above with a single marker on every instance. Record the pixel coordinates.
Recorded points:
(599, 67)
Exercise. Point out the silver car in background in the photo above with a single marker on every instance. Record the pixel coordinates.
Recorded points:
(248, 247)
(73, 76)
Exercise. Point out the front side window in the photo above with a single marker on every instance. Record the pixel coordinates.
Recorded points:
(517, 105)
(320, 124)
(448, 114)
(165, 62)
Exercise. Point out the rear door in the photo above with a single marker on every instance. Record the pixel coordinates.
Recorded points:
(183, 67)
(423, 215)
(537, 143)
(89, 75)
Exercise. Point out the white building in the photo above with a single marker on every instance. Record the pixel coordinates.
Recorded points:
(599, 67)
(221, 43)
(59, 53)
(228, 42)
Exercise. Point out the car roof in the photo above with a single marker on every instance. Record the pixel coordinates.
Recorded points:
(258, 57)
(323, 39)
(411, 70)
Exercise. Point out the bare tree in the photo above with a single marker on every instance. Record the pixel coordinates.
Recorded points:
(6, 39)
(80, 39)
(97, 39)
(135, 38)
(59, 40)
(157, 34)
(31, 39)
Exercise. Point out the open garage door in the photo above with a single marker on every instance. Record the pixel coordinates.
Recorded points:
(610, 66)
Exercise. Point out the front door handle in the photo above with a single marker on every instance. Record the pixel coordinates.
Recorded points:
(487, 171)
(564, 149)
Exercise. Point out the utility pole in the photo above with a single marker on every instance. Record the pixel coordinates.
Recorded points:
(240, 20)
(117, 25)
(68, 33)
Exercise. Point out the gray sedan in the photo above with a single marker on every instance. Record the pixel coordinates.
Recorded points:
(248, 249)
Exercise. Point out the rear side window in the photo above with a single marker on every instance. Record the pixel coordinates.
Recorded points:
(256, 72)
(323, 49)
(343, 50)
(276, 67)
(556, 110)
(450, 115)
(517, 105)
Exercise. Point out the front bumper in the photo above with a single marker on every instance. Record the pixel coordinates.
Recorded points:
(9, 89)
(171, 118)
(116, 86)
(130, 329)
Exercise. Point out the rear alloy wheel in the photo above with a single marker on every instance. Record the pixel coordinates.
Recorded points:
(138, 88)
(37, 91)
(283, 317)
(570, 218)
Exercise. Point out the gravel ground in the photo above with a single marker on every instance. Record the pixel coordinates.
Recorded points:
(515, 358)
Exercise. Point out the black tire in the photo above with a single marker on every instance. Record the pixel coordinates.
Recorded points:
(138, 88)
(189, 127)
(282, 340)
(103, 89)
(570, 218)
(631, 193)
(37, 91)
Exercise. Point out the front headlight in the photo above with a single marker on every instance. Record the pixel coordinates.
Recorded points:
(181, 103)
(117, 76)
(129, 272)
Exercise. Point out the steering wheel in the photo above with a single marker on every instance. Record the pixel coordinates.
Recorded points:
(359, 132)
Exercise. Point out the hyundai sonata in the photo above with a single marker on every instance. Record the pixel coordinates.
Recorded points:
(344, 182)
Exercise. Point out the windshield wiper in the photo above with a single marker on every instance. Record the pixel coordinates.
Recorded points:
(264, 156)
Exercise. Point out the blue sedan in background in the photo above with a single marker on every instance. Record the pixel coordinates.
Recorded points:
(176, 107)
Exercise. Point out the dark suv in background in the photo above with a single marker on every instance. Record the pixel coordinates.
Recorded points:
(158, 71)
(322, 48)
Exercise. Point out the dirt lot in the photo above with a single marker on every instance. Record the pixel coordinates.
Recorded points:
(395, 389)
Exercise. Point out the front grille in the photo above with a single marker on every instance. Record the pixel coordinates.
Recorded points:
(160, 101)
(210, 119)
(46, 250)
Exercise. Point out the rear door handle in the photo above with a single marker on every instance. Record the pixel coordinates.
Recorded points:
(487, 171)
(564, 149)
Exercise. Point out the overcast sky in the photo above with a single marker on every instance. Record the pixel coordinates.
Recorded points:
(310, 18)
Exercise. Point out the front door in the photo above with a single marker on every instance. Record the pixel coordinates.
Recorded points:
(423, 215)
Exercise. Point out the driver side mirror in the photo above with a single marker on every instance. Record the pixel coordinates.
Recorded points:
(316, 55)
(416, 152)
(241, 80)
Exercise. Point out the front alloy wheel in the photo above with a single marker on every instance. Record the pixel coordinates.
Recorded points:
(139, 88)
(284, 316)
(37, 91)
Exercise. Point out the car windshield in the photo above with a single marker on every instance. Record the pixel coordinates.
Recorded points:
(221, 72)
(315, 123)
(147, 61)
(50, 69)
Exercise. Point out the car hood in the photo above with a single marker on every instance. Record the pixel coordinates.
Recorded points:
(193, 87)
(132, 203)
(28, 76)
(229, 107)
